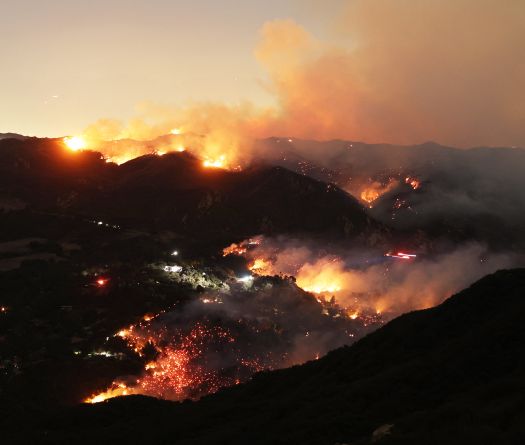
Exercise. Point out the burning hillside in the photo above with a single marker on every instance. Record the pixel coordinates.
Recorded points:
(223, 338)
(364, 279)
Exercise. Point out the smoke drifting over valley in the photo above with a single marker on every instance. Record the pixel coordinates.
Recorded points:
(232, 239)
(366, 280)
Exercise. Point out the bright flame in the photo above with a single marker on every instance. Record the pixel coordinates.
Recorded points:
(324, 276)
(375, 190)
(220, 162)
(353, 314)
(118, 389)
(75, 143)
(176, 131)
(177, 371)
(260, 266)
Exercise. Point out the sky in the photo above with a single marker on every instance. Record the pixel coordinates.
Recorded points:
(66, 63)
(396, 71)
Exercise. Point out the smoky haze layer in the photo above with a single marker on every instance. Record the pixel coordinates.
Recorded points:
(458, 194)
(400, 72)
(363, 279)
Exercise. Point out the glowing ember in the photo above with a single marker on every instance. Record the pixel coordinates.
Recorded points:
(101, 282)
(75, 143)
(178, 371)
(412, 182)
(176, 131)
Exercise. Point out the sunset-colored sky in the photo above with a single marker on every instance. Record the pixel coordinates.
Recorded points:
(399, 71)
(66, 63)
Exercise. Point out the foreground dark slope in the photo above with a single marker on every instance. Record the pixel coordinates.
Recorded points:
(453, 374)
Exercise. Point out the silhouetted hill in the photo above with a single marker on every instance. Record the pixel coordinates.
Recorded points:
(174, 192)
(463, 193)
(453, 374)
(12, 136)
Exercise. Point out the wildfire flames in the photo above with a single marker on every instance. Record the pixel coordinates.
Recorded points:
(180, 369)
(261, 266)
(375, 190)
(216, 163)
(241, 248)
(412, 182)
(75, 143)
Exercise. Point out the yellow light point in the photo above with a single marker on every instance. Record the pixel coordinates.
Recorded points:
(180, 149)
(122, 333)
(176, 131)
(75, 143)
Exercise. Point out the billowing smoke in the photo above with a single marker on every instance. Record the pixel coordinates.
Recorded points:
(404, 72)
(365, 279)
(398, 72)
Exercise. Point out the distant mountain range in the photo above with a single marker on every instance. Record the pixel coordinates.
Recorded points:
(452, 374)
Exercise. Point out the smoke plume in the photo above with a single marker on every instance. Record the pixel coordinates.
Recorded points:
(366, 280)
(398, 72)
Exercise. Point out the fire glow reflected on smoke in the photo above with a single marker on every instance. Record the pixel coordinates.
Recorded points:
(369, 280)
